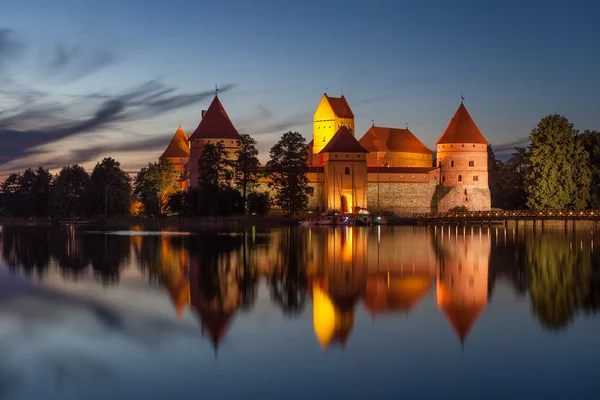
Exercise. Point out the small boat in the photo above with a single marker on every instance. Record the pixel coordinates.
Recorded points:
(379, 220)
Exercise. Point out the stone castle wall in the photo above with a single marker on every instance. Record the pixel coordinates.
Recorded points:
(475, 199)
(403, 199)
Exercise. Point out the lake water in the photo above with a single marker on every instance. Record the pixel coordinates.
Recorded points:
(388, 312)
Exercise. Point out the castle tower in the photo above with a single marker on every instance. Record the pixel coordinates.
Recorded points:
(331, 114)
(462, 159)
(214, 127)
(178, 152)
(345, 165)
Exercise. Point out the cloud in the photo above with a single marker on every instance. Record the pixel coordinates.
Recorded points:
(74, 62)
(10, 48)
(53, 121)
(509, 147)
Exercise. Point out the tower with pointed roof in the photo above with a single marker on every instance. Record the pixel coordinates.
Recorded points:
(344, 162)
(331, 114)
(178, 152)
(214, 127)
(462, 159)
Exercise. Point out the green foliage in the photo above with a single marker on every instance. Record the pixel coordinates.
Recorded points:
(591, 142)
(559, 279)
(155, 184)
(459, 209)
(68, 197)
(559, 173)
(494, 177)
(246, 165)
(109, 191)
(287, 170)
(259, 203)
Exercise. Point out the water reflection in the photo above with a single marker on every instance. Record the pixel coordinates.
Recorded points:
(332, 273)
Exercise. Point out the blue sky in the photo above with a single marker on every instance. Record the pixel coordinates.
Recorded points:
(80, 80)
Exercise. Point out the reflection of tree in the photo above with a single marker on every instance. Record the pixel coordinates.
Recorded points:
(33, 250)
(559, 279)
(288, 284)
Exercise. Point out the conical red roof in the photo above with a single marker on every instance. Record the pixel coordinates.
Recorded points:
(179, 146)
(343, 142)
(215, 124)
(462, 318)
(462, 129)
(378, 138)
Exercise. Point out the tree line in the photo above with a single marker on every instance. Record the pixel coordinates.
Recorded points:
(559, 169)
(226, 186)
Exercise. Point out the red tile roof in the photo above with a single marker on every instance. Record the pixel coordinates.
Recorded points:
(400, 170)
(379, 138)
(462, 317)
(462, 129)
(215, 124)
(178, 147)
(343, 142)
(340, 107)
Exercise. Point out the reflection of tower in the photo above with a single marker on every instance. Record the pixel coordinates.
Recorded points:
(340, 284)
(174, 273)
(215, 296)
(462, 284)
(331, 321)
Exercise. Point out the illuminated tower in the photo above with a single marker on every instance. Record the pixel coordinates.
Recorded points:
(178, 152)
(214, 127)
(462, 158)
(331, 114)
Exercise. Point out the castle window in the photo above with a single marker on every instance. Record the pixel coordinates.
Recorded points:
(433, 178)
(463, 145)
(358, 156)
(471, 163)
(347, 156)
(452, 163)
(440, 164)
(443, 178)
(473, 145)
(475, 178)
(336, 156)
(323, 139)
(208, 141)
(222, 141)
(451, 145)
(347, 171)
(460, 178)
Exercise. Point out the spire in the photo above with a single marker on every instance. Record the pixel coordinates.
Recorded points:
(216, 123)
(462, 129)
(216, 91)
(462, 98)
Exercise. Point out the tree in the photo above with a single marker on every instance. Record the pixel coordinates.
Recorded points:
(494, 177)
(246, 166)
(13, 202)
(559, 173)
(591, 142)
(259, 203)
(511, 194)
(155, 184)
(109, 191)
(68, 198)
(287, 171)
(215, 175)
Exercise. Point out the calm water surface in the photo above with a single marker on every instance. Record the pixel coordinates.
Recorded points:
(297, 313)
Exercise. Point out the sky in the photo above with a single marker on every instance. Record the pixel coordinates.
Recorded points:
(83, 80)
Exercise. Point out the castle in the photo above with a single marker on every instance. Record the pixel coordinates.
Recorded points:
(388, 169)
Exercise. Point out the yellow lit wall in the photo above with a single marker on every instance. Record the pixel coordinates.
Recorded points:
(326, 124)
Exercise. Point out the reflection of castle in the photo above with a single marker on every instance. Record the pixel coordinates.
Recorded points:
(344, 268)
(387, 169)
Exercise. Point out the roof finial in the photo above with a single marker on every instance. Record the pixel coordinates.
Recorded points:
(216, 91)
(372, 122)
(462, 98)
(406, 124)
(326, 89)
(342, 92)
